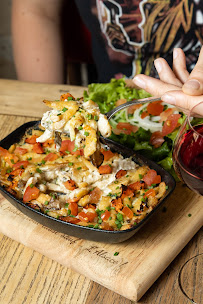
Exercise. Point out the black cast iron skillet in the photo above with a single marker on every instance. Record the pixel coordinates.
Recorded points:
(76, 230)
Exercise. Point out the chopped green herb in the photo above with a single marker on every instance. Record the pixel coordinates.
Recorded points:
(119, 217)
(96, 226)
(96, 117)
(66, 205)
(108, 208)
(70, 164)
(43, 161)
(32, 185)
(38, 170)
(89, 116)
(69, 212)
(70, 98)
(140, 176)
(21, 167)
(79, 168)
(189, 215)
(9, 171)
(100, 221)
(135, 224)
(86, 133)
(46, 203)
(75, 149)
(116, 253)
(29, 158)
(78, 156)
(80, 128)
(167, 187)
(119, 225)
(116, 182)
(113, 208)
(67, 152)
(110, 218)
(117, 188)
(64, 109)
(91, 226)
(12, 161)
(127, 175)
(58, 114)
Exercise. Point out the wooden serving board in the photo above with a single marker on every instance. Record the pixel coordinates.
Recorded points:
(141, 259)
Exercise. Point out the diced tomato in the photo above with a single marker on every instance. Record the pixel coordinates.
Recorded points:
(87, 216)
(128, 212)
(91, 216)
(157, 179)
(73, 200)
(105, 169)
(107, 154)
(37, 148)
(106, 215)
(70, 185)
(165, 114)
(120, 102)
(150, 192)
(126, 127)
(156, 139)
(95, 195)
(73, 207)
(90, 206)
(136, 186)
(155, 108)
(48, 142)
(117, 203)
(127, 192)
(30, 194)
(3, 152)
(17, 172)
(106, 226)
(65, 96)
(144, 114)
(22, 164)
(9, 157)
(51, 157)
(151, 178)
(69, 219)
(170, 124)
(68, 145)
(133, 108)
(120, 173)
(20, 151)
(32, 139)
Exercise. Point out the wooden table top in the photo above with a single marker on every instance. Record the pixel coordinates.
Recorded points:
(28, 277)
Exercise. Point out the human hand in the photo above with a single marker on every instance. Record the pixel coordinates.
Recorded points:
(176, 86)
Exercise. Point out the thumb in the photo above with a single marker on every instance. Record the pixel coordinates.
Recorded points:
(194, 84)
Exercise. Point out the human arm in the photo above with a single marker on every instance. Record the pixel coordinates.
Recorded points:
(37, 42)
(175, 86)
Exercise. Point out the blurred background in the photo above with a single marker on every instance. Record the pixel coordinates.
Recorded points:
(7, 68)
(80, 67)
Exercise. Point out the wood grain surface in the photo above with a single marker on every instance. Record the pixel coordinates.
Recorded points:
(27, 276)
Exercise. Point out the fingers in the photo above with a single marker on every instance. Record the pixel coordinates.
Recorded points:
(165, 72)
(181, 100)
(194, 84)
(153, 86)
(179, 65)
